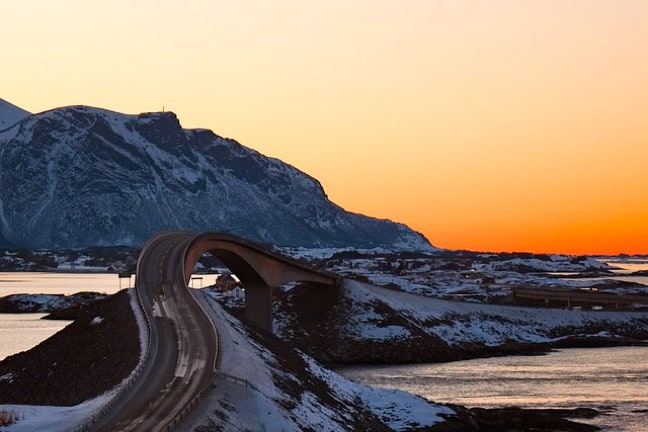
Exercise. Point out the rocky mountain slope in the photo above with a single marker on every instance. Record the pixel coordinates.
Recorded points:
(79, 176)
(10, 114)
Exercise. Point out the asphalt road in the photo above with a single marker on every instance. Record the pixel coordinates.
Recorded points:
(183, 343)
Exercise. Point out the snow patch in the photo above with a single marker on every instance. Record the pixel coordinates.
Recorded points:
(53, 418)
(7, 377)
(96, 320)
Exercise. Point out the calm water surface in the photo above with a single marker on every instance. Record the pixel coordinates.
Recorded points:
(20, 332)
(60, 283)
(629, 267)
(614, 380)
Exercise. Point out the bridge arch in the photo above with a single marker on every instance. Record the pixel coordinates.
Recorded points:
(260, 270)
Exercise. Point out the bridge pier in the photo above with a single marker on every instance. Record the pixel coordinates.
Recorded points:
(259, 270)
(258, 305)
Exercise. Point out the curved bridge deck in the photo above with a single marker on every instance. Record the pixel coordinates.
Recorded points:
(182, 346)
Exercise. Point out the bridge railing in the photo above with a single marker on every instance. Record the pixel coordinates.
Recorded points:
(128, 383)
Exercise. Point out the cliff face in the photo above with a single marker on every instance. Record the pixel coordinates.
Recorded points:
(80, 177)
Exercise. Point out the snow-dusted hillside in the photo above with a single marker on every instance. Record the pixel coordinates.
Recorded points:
(264, 388)
(32, 303)
(10, 114)
(263, 384)
(364, 323)
(79, 176)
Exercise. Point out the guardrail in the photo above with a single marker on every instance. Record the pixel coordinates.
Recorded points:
(236, 380)
(146, 332)
(130, 380)
(177, 420)
(126, 385)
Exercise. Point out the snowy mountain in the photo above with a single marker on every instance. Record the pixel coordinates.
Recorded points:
(79, 176)
(10, 114)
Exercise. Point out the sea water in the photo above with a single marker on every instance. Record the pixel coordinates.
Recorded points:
(611, 380)
(60, 283)
(20, 332)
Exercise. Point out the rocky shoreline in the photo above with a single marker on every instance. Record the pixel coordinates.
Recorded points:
(58, 306)
(516, 420)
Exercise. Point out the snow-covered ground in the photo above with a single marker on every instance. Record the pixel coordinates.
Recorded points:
(464, 322)
(258, 389)
(34, 303)
(256, 392)
(466, 276)
(51, 418)
(89, 261)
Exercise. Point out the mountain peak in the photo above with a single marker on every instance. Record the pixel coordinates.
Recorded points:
(10, 114)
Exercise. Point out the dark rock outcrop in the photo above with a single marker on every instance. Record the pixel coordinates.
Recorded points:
(516, 420)
(88, 357)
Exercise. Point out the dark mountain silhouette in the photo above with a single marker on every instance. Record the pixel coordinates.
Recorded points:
(79, 177)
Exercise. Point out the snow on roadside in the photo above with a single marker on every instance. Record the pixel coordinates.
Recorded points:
(247, 395)
(397, 408)
(142, 325)
(53, 418)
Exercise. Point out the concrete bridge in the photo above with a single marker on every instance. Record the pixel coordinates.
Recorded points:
(260, 271)
(179, 361)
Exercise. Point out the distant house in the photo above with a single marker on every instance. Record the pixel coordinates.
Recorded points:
(235, 293)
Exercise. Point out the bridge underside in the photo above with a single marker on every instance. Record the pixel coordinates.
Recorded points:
(260, 271)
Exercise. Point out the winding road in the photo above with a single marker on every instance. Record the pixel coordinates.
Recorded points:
(183, 344)
(179, 363)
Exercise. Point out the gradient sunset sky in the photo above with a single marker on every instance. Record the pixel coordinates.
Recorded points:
(495, 125)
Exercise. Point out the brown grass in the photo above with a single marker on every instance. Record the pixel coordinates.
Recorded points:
(8, 418)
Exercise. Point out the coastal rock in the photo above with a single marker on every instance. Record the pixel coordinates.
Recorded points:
(48, 303)
(516, 420)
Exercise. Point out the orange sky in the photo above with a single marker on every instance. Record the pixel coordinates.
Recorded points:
(492, 125)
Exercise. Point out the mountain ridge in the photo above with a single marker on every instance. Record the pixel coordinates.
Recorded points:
(81, 176)
(10, 114)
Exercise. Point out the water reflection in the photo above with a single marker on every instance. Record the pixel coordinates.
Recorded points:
(614, 379)
(60, 283)
(20, 332)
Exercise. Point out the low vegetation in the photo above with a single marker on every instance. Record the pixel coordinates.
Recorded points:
(8, 418)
